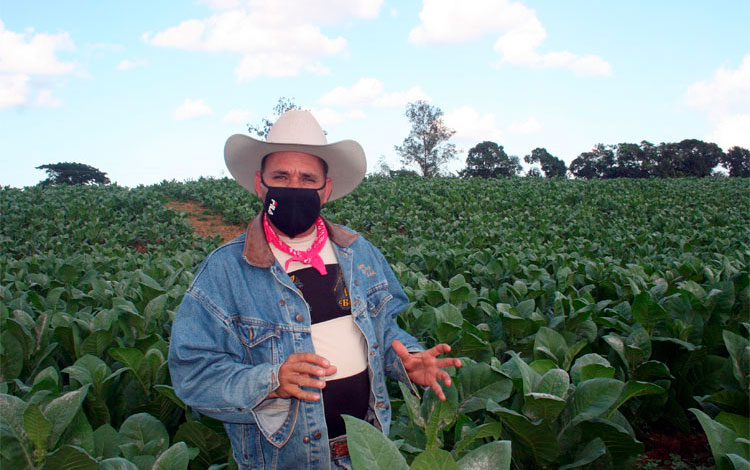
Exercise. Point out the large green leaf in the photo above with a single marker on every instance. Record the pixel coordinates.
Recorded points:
(594, 398)
(412, 405)
(61, 411)
(591, 366)
(487, 430)
(70, 458)
(38, 428)
(107, 441)
(213, 447)
(434, 459)
(477, 383)
(117, 463)
(550, 344)
(145, 432)
(16, 449)
(371, 449)
(537, 439)
(491, 456)
(722, 439)
(438, 414)
(176, 457)
(739, 351)
(621, 445)
(590, 453)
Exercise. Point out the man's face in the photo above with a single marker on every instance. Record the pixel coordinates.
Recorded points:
(293, 170)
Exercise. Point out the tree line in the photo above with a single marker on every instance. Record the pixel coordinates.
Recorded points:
(427, 147)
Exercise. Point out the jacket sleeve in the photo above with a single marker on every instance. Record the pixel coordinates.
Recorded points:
(206, 363)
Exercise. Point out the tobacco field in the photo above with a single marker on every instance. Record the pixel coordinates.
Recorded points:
(584, 312)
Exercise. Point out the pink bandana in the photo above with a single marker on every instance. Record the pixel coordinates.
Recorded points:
(311, 256)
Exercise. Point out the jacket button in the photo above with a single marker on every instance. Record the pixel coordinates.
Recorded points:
(387, 406)
(375, 345)
(282, 303)
(356, 301)
(372, 353)
(306, 440)
(356, 283)
(300, 318)
(317, 436)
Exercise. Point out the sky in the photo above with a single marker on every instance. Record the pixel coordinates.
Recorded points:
(148, 91)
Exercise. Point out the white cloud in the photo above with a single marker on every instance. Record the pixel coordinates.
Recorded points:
(276, 38)
(220, 4)
(470, 125)
(237, 116)
(45, 98)
(371, 92)
(521, 33)
(26, 55)
(726, 101)
(328, 117)
(530, 126)
(128, 64)
(191, 109)
(13, 90)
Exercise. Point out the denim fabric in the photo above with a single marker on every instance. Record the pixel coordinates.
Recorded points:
(242, 317)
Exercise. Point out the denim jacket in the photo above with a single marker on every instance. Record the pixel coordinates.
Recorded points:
(242, 317)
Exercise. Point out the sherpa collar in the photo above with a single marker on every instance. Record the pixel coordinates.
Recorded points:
(257, 252)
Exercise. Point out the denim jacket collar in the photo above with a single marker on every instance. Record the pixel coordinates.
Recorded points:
(257, 253)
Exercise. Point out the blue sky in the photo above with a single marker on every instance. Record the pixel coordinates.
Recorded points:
(148, 91)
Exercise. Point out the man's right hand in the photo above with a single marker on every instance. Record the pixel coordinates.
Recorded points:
(302, 370)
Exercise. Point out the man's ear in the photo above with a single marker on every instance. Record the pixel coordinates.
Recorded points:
(327, 190)
(258, 185)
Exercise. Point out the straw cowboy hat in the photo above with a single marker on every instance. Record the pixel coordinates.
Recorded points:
(297, 131)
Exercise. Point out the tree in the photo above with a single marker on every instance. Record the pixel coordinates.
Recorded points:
(690, 157)
(282, 106)
(489, 160)
(737, 161)
(427, 144)
(552, 166)
(598, 163)
(72, 173)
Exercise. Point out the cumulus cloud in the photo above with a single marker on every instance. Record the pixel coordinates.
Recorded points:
(24, 56)
(237, 116)
(128, 64)
(529, 126)
(471, 125)
(725, 99)
(371, 92)
(191, 109)
(45, 98)
(521, 33)
(328, 117)
(276, 38)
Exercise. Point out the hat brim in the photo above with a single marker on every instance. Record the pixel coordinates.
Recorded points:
(346, 161)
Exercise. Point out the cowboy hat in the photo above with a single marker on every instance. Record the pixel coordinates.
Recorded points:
(297, 131)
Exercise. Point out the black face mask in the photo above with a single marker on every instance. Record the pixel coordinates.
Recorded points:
(292, 210)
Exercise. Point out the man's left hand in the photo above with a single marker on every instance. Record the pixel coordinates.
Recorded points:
(424, 368)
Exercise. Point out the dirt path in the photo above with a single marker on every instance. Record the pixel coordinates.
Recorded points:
(205, 222)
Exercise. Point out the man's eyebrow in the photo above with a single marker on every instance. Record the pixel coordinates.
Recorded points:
(279, 172)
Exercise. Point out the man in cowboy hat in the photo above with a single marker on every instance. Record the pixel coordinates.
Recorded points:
(293, 324)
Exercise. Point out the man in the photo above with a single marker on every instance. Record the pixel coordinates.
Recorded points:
(293, 324)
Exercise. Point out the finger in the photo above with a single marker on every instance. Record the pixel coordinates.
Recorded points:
(447, 362)
(305, 368)
(441, 348)
(443, 375)
(312, 358)
(400, 350)
(305, 381)
(297, 392)
(438, 390)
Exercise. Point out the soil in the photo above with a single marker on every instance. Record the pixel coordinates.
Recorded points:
(205, 222)
(662, 445)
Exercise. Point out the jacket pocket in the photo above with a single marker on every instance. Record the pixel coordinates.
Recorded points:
(261, 339)
(377, 298)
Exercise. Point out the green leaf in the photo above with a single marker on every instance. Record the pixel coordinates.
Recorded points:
(737, 423)
(38, 428)
(213, 447)
(491, 456)
(555, 382)
(438, 414)
(117, 463)
(370, 449)
(592, 451)
(107, 441)
(70, 458)
(738, 462)
(143, 429)
(168, 392)
(16, 447)
(721, 439)
(590, 366)
(96, 343)
(594, 398)
(492, 430)
(536, 439)
(61, 411)
(621, 445)
(739, 351)
(647, 311)
(635, 389)
(477, 382)
(176, 457)
(543, 406)
(434, 459)
(550, 344)
(412, 405)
